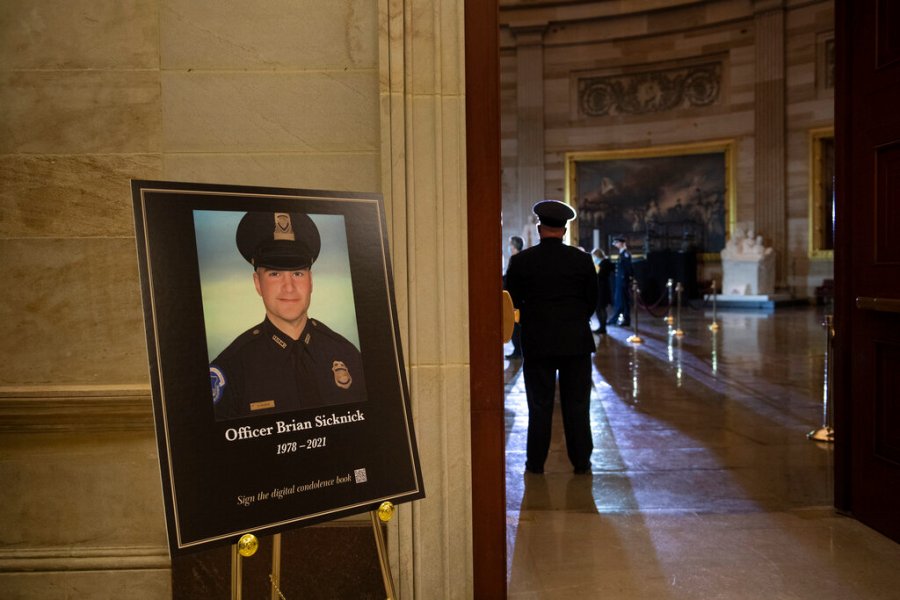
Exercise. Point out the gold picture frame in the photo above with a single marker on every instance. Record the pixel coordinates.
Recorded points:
(821, 193)
(679, 197)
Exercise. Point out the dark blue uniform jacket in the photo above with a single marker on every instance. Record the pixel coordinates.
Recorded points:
(265, 371)
(554, 286)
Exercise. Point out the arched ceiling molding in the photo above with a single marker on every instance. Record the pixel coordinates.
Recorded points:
(579, 10)
(589, 22)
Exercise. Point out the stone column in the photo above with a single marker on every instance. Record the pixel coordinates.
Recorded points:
(529, 118)
(422, 75)
(770, 211)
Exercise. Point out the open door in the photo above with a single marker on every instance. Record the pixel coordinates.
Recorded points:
(867, 263)
(485, 345)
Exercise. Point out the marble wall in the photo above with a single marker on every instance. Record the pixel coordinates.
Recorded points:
(630, 39)
(338, 95)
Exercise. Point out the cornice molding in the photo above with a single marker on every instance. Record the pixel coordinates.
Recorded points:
(765, 6)
(75, 558)
(38, 408)
(579, 10)
(529, 35)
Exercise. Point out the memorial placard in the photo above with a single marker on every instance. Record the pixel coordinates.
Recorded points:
(279, 391)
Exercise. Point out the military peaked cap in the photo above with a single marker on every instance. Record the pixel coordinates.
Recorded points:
(553, 213)
(278, 240)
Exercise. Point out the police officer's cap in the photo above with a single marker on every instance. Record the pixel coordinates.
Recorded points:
(619, 238)
(553, 213)
(278, 240)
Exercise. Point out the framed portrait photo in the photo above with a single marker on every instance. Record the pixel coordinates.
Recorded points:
(279, 390)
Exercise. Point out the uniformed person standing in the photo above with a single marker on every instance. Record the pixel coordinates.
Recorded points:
(289, 361)
(624, 274)
(555, 288)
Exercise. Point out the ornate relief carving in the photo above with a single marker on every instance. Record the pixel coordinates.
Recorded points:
(656, 91)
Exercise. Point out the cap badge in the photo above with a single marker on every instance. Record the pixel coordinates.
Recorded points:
(217, 382)
(342, 377)
(284, 230)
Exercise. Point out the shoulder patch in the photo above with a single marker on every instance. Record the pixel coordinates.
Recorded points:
(217, 383)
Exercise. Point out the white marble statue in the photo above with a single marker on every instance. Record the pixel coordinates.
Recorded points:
(748, 267)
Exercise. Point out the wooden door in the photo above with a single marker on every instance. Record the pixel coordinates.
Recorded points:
(485, 323)
(867, 262)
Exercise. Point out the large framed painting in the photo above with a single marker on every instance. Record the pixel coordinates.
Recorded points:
(279, 390)
(660, 198)
(821, 193)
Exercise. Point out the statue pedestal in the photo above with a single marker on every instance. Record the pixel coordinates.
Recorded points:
(748, 275)
(762, 302)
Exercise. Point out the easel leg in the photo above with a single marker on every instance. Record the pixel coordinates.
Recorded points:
(275, 576)
(382, 557)
(235, 573)
(246, 546)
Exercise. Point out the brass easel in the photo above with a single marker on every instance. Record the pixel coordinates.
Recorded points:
(246, 546)
(249, 544)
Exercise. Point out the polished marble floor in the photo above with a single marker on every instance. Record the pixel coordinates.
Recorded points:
(704, 484)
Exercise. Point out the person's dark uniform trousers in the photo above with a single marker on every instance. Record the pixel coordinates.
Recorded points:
(264, 370)
(555, 288)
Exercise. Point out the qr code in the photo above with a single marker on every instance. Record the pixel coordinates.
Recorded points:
(360, 475)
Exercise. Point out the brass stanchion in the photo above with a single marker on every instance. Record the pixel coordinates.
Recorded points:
(714, 325)
(825, 433)
(634, 338)
(384, 514)
(678, 290)
(669, 318)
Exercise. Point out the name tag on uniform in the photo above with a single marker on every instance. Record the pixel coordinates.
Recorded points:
(262, 405)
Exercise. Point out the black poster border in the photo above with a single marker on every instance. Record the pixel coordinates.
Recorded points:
(222, 478)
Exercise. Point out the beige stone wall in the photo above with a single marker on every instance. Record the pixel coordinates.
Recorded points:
(810, 107)
(586, 39)
(424, 180)
(337, 95)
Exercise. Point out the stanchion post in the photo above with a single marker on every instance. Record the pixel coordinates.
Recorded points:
(714, 326)
(825, 433)
(634, 338)
(669, 318)
(678, 289)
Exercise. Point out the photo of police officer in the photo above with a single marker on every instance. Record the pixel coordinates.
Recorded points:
(290, 361)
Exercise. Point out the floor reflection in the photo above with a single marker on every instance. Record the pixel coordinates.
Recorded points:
(700, 460)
